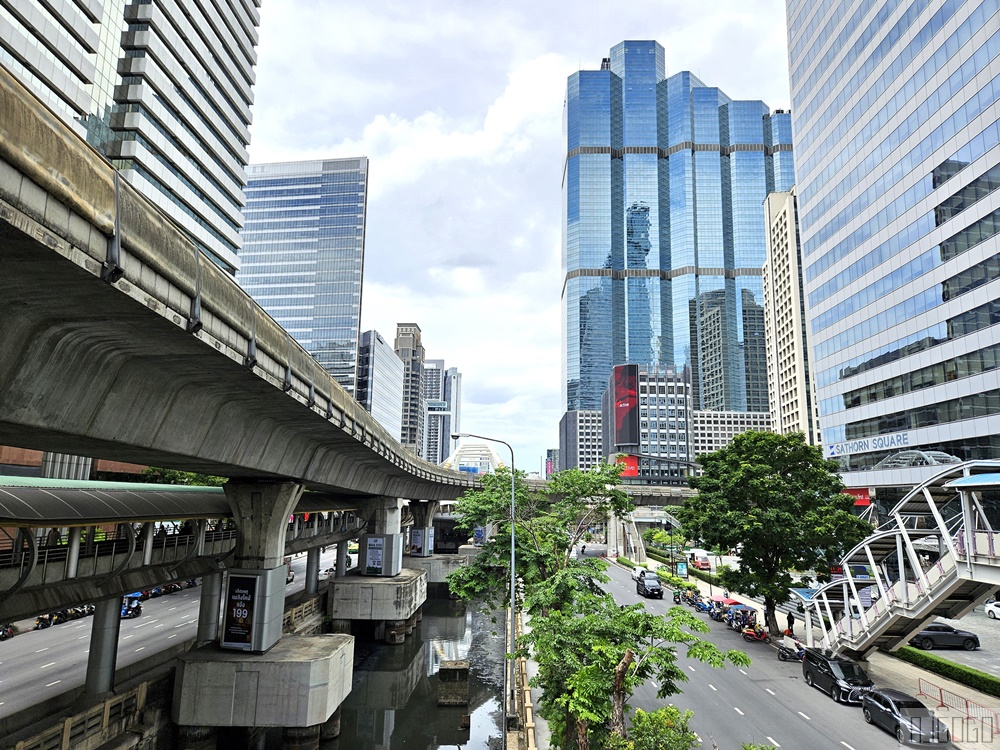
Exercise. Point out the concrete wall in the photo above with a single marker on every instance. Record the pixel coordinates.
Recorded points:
(356, 597)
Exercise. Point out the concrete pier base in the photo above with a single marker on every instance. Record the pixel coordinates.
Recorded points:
(196, 738)
(391, 605)
(300, 682)
(300, 738)
(453, 683)
(331, 729)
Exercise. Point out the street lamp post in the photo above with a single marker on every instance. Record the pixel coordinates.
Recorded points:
(509, 673)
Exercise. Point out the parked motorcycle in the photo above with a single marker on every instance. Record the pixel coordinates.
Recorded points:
(190, 583)
(702, 606)
(171, 588)
(42, 622)
(756, 634)
(789, 654)
(60, 616)
(6, 631)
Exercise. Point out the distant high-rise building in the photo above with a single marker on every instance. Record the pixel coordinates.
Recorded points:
(793, 406)
(580, 439)
(663, 235)
(164, 92)
(897, 123)
(442, 390)
(551, 462)
(303, 254)
(714, 430)
(409, 348)
(380, 382)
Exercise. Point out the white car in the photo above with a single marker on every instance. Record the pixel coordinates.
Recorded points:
(637, 571)
(993, 609)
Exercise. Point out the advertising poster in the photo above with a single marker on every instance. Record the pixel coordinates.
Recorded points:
(626, 404)
(373, 555)
(416, 541)
(682, 570)
(630, 465)
(237, 630)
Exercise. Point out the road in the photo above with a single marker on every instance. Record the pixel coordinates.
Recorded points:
(767, 702)
(39, 664)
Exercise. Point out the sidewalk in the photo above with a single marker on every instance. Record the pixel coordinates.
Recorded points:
(888, 672)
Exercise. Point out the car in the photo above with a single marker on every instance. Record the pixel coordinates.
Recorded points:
(842, 678)
(648, 585)
(993, 609)
(637, 571)
(938, 635)
(903, 716)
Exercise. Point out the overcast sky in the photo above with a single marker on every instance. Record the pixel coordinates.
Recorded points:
(458, 106)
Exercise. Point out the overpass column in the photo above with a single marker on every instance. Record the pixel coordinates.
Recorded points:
(341, 559)
(73, 553)
(208, 608)
(147, 543)
(255, 598)
(103, 656)
(422, 533)
(381, 552)
(312, 571)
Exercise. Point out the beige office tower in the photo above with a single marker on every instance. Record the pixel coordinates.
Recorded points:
(789, 384)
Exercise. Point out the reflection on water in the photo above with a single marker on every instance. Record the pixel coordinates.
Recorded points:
(393, 701)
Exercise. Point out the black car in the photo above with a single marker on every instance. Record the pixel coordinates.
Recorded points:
(842, 678)
(904, 716)
(938, 635)
(648, 585)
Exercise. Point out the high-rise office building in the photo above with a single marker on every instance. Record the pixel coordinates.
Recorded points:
(162, 92)
(580, 439)
(663, 236)
(380, 382)
(896, 124)
(442, 390)
(789, 383)
(410, 349)
(304, 251)
(551, 462)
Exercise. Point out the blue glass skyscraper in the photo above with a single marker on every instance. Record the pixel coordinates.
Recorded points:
(664, 229)
(303, 254)
(897, 126)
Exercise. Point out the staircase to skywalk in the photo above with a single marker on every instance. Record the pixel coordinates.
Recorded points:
(943, 518)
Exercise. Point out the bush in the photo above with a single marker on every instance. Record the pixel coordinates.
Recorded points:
(627, 563)
(981, 681)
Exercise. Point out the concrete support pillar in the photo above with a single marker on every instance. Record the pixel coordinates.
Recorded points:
(73, 553)
(196, 738)
(341, 559)
(208, 608)
(312, 571)
(200, 530)
(300, 738)
(255, 600)
(388, 516)
(147, 543)
(331, 729)
(422, 533)
(103, 658)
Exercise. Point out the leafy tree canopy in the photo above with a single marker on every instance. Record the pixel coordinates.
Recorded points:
(156, 475)
(777, 497)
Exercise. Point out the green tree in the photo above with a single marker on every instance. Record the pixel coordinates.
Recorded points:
(156, 475)
(784, 503)
(663, 729)
(591, 655)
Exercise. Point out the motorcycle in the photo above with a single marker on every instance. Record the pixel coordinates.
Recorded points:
(702, 606)
(6, 631)
(171, 588)
(190, 583)
(677, 597)
(60, 616)
(789, 654)
(42, 622)
(131, 609)
(756, 634)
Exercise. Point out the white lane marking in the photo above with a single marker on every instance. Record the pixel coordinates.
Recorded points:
(171, 636)
(162, 624)
(690, 667)
(770, 691)
(738, 711)
(82, 637)
(53, 683)
(127, 636)
(141, 648)
(808, 719)
(42, 649)
(47, 665)
(846, 745)
(742, 671)
(171, 609)
(713, 687)
(772, 741)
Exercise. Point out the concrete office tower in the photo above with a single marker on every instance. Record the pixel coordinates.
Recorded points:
(663, 235)
(304, 251)
(551, 462)
(580, 439)
(163, 92)
(380, 382)
(646, 415)
(714, 430)
(409, 348)
(789, 383)
(442, 390)
(896, 124)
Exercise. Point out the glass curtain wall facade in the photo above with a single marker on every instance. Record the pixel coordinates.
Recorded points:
(442, 391)
(162, 92)
(410, 349)
(663, 230)
(896, 121)
(303, 254)
(380, 382)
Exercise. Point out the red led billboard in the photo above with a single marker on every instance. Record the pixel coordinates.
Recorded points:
(626, 379)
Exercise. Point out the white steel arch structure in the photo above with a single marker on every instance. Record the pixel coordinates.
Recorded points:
(938, 555)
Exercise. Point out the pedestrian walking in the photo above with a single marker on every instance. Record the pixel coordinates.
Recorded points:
(791, 623)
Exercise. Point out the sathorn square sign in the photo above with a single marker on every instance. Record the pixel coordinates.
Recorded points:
(867, 445)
